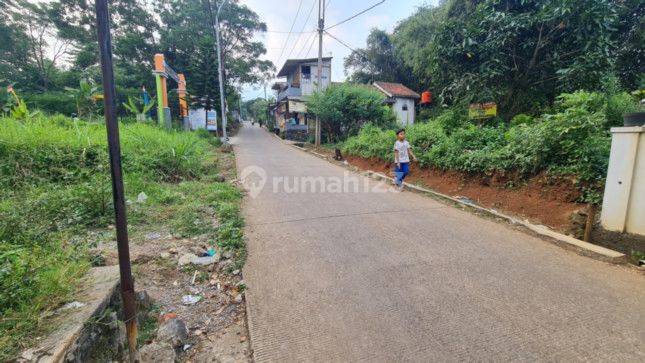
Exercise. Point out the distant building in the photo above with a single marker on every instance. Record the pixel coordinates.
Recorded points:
(401, 99)
(290, 110)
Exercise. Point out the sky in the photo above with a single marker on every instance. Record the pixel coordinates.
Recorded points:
(279, 16)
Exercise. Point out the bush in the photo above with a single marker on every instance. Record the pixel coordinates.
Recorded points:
(345, 108)
(618, 105)
(52, 103)
(573, 140)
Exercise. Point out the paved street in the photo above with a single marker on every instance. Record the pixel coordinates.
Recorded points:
(401, 277)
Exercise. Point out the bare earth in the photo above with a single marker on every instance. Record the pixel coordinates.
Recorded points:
(401, 277)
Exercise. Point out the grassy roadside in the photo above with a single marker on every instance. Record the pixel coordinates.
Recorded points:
(55, 206)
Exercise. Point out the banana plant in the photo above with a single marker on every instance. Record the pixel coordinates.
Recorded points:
(85, 96)
(17, 107)
(133, 107)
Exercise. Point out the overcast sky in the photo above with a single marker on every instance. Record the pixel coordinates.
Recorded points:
(279, 16)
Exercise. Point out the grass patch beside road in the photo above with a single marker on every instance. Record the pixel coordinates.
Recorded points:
(55, 193)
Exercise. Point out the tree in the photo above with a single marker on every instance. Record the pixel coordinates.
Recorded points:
(518, 53)
(343, 109)
(133, 33)
(379, 61)
(257, 109)
(188, 43)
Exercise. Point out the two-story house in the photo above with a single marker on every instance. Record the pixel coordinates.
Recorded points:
(290, 110)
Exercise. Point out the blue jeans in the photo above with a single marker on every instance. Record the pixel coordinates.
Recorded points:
(401, 172)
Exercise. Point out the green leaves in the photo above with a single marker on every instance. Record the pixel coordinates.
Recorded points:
(344, 108)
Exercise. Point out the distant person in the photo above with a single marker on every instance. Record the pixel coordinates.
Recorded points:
(402, 153)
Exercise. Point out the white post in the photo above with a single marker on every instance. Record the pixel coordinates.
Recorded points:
(220, 68)
(321, 26)
(624, 197)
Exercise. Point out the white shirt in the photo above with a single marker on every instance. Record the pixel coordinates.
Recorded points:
(402, 148)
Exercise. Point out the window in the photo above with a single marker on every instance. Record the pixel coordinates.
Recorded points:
(306, 72)
(404, 107)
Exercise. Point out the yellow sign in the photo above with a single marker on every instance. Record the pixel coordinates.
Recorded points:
(482, 110)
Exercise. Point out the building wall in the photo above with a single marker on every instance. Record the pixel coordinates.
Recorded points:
(404, 117)
(308, 86)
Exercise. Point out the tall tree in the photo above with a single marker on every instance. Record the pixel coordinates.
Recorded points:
(188, 43)
(379, 61)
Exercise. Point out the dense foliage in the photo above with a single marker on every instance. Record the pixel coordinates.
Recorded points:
(55, 203)
(518, 53)
(572, 140)
(344, 108)
(48, 47)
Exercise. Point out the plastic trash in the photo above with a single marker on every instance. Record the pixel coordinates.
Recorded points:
(190, 299)
(142, 197)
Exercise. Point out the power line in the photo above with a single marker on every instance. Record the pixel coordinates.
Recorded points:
(357, 14)
(311, 40)
(310, 46)
(290, 30)
(285, 32)
(340, 41)
(303, 28)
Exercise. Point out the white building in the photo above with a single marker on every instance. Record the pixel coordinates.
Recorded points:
(301, 81)
(401, 99)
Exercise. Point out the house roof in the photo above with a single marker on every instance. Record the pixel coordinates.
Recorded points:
(290, 64)
(395, 90)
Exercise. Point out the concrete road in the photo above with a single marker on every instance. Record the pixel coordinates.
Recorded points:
(382, 277)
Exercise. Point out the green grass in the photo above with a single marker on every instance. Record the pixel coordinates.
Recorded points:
(55, 188)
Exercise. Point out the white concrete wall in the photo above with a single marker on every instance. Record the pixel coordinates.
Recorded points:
(404, 117)
(309, 86)
(623, 206)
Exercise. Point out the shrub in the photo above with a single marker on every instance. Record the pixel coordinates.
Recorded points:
(370, 142)
(345, 108)
(618, 105)
(571, 140)
(53, 102)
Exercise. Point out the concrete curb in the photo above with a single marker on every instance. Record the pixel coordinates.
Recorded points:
(539, 229)
(543, 231)
(71, 335)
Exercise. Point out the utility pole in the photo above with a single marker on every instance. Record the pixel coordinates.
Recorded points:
(220, 67)
(321, 28)
(114, 150)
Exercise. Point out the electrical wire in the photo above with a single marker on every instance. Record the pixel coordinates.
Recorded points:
(290, 30)
(309, 41)
(313, 3)
(357, 14)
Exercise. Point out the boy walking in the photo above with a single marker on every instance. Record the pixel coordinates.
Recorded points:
(402, 153)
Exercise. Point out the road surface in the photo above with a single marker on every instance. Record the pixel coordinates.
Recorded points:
(384, 276)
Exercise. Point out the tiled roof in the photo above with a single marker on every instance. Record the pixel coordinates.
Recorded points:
(395, 90)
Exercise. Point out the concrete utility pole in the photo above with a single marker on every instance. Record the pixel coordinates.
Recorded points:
(220, 67)
(321, 28)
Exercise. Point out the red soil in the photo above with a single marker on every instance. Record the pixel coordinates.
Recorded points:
(540, 199)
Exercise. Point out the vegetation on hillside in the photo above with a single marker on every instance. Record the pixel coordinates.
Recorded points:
(344, 108)
(520, 54)
(50, 47)
(570, 140)
(55, 195)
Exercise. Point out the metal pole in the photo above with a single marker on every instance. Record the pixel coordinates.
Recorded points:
(220, 67)
(114, 149)
(321, 27)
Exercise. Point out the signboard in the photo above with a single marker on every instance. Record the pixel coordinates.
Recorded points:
(295, 106)
(482, 110)
(211, 121)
